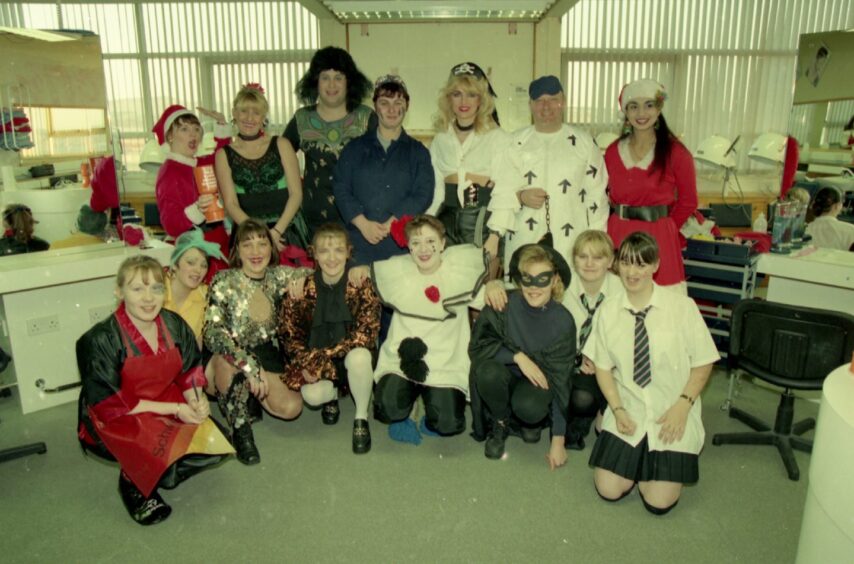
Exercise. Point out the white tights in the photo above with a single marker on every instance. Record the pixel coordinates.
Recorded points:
(360, 374)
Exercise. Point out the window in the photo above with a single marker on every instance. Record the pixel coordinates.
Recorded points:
(728, 66)
(190, 53)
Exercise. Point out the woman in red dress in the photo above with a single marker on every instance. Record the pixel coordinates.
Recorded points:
(143, 402)
(653, 186)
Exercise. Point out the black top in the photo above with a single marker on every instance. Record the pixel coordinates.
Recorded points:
(260, 184)
(11, 246)
(546, 335)
(332, 318)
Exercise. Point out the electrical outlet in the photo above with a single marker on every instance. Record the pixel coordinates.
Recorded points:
(42, 325)
(100, 313)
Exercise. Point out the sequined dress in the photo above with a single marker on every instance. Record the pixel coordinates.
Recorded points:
(240, 321)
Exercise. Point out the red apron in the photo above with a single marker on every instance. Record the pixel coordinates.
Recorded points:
(147, 444)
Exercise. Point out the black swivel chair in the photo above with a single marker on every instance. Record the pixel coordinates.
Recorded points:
(791, 347)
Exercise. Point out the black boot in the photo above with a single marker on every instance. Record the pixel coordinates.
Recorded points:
(143, 510)
(253, 407)
(494, 448)
(361, 436)
(330, 412)
(244, 443)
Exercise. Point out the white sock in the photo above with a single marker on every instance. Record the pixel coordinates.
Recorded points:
(318, 393)
(360, 374)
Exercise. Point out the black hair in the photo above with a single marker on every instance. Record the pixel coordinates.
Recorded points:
(334, 58)
(391, 90)
(20, 220)
(638, 248)
(825, 199)
(664, 139)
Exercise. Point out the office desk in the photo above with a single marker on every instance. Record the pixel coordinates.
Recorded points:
(51, 298)
(827, 529)
(811, 277)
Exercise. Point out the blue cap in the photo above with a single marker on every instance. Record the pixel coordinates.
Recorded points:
(548, 84)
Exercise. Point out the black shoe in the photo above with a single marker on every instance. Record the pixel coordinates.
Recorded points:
(254, 409)
(330, 412)
(530, 434)
(145, 511)
(361, 436)
(244, 443)
(574, 441)
(494, 447)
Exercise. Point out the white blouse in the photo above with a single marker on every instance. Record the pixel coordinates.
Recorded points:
(479, 153)
(829, 232)
(611, 288)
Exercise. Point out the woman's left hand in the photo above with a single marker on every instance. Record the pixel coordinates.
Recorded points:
(212, 114)
(296, 288)
(556, 456)
(673, 422)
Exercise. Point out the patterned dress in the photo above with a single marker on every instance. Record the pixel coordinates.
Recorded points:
(308, 327)
(321, 142)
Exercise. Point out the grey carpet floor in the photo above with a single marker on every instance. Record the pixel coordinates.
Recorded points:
(312, 500)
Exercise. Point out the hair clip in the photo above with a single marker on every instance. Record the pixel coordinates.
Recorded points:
(255, 86)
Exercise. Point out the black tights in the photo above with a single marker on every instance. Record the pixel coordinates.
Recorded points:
(585, 401)
(445, 407)
(507, 392)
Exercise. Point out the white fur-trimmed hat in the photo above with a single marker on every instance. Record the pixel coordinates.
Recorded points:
(643, 88)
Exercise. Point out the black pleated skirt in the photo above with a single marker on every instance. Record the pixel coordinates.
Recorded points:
(641, 464)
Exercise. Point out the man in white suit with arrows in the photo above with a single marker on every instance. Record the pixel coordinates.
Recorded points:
(552, 183)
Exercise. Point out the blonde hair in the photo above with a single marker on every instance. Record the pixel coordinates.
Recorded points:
(799, 195)
(535, 254)
(144, 264)
(251, 95)
(472, 85)
(598, 240)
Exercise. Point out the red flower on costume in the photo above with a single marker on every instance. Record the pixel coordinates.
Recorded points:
(398, 230)
(432, 294)
(255, 86)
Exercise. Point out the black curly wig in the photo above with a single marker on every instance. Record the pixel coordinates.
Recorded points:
(334, 58)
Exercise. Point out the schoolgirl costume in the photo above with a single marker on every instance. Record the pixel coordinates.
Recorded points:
(678, 341)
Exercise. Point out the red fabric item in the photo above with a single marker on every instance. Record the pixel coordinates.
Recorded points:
(219, 236)
(398, 231)
(790, 166)
(145, 444)
(105, 190)
(295, 257)
(168, 116)
(675, 187)
(762, 240)
(432, 294)
(175, 190)
(132, 235)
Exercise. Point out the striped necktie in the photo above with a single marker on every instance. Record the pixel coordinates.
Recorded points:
(643, 370)
(587, 326)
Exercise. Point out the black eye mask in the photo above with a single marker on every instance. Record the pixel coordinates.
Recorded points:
(541, 280)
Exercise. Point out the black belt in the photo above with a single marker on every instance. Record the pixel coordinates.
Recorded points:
(643, 213)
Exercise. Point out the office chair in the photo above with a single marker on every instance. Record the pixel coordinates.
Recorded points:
(791, 347)
(25, 450)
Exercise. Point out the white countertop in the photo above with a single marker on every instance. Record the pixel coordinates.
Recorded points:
(828, 267)
(62, 266)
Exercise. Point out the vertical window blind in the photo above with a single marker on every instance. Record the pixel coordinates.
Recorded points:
(189, 53)
(729, 67)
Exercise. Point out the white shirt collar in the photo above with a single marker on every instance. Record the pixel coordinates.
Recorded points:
(627, 158)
